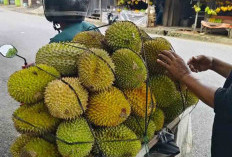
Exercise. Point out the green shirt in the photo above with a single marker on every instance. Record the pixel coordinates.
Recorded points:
(68, 33)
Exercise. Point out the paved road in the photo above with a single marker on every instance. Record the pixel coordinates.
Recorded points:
(28, 33)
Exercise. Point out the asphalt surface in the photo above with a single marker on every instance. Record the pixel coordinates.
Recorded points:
(29, 32)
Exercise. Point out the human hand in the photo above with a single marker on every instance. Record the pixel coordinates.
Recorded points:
(200, 63)
(174, 64)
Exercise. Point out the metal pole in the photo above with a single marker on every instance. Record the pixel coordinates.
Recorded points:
(100, 10)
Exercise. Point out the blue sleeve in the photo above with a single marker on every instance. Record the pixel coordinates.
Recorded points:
(223, 102)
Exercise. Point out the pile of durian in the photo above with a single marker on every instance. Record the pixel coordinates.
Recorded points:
(97, 95)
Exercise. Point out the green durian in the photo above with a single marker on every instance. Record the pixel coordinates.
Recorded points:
(130, 70)
(62, 101)
(158, 118)
(38, 147)
(19, 143)
(96, 70)
(124, 142)
(91, 39)
(144, 36)
(108, 108)
(137, 125)
(124, 34)
(62, 56)
(28, 85)
(191, 98)
(74, 131)
(164, 90)
(38, 116)
(175, 109)
(151, 50)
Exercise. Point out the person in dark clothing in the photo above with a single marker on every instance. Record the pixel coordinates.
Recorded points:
(218, 98)
(159, 12)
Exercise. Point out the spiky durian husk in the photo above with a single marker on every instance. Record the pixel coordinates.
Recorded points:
(38, 147)
(38, 116)
(96, 70)
(152, 49)
(128, 147)
(124, 34)
(164, 90)
(62, 56)
(158, 118)
(19, 143)
(137, 100)
(28, 85)
(191, 98)
(175, 109)
(137, 125)
(91, 39)
(130, 70)
(75, 131)
(144, 36)
(108, 108)
(62, 101)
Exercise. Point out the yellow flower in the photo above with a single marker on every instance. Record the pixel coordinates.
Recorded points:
(218, 10)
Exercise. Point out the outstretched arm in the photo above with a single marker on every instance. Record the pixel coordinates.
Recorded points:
(179, 69)
(203, 63)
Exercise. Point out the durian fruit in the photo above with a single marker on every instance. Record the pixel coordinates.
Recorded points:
(164, 90)
(96, 70)
(91, 39)
(151, 50)
(62, 56)
(130, 70)
(62, 101)
(38, 116)
(137, 100)
(108, 108)
(158, 118)
(175, 109)
(124, 34)
(73, 132)
(191, 98)
(19, 143)
(38, 147)
(123, 142)
(144, 36)
(137, 125)
(28, 85)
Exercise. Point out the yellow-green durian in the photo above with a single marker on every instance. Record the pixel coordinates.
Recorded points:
(108, 108)
(72, 132)
(151, 50)
(130, 70)
(62, 56)
(124, 34)
(19, 143)
(38, 147)
(158, 118)
(38, 116)
(137, 125)
(164, 90)
(62, 101)
(28, 85)
(137, 99)
(125, 142)
(91, 39)
(96, 70)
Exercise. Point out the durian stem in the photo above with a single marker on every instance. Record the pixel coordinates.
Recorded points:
(25, 61)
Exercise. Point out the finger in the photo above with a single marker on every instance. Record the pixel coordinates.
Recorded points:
(165, 58)
(175, 54)
(193, 59)
(163, 63)
(168, 54)
(192, 68)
